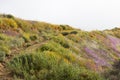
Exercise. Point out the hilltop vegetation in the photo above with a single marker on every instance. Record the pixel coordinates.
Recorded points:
(32, 50)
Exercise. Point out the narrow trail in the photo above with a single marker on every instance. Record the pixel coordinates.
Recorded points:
(35, 46)
(5, 74)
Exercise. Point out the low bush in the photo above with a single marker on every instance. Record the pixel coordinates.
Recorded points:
(73, 37)
(5, 50)
(33, 37)
(48, 66)
(2, 56)
(73, 32)
(2, 37)
(65, 33)
(61, 40)
(16, 42)
(56, 47)
(26, 37)
(66, 27)
(7, 16)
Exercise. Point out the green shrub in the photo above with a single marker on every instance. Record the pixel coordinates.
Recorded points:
(60, 50)
(73, 32)
(48, 66)
(66, 27)
(10, 16)
(4, 37)
(2, 56)
(25, 25)
(7, 16)
(28, 44)
(4, 50)
(74, 37)
(55, 47)
(65, 33)
(33, 37)
(61, 40)
(26, 37)
(16, 42)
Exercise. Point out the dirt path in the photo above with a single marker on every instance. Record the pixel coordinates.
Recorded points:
(35, 46)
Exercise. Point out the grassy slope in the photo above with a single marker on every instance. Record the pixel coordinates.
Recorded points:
(30, 47)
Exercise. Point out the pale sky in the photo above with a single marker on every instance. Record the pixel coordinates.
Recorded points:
(83, 14)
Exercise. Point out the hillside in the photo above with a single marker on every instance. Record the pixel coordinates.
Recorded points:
(32, 50)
